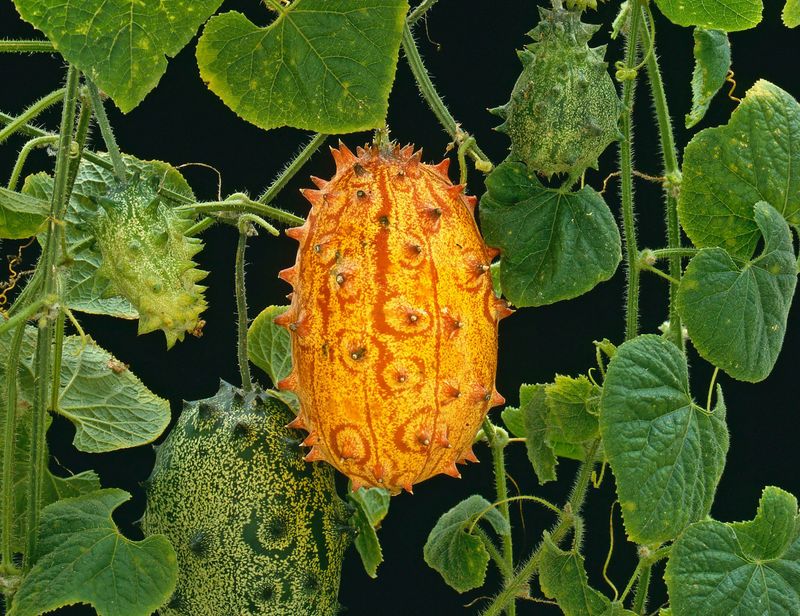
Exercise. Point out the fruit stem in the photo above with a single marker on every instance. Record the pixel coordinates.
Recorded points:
(106, 131)
(291, 170)
(501, 486)
(240, 203)
(26, 46)
(671, 170)
(241, 306)
(44, 341)
(626, 176)
(436, 103)
(525, 571)
(15, 124)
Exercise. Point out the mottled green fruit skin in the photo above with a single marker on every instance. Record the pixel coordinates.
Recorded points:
(564, 109)
(256, 529)
(148, 258)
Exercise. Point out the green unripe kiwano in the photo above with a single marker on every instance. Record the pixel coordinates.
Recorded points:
(148, 258)
(256, 529)
(564, 109)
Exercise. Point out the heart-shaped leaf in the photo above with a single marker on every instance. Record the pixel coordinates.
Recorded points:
(755, 157)
(83, 558)
(555, 245)
(21, 215)
(120, 44)
(736, 313)
(739, 569)
(667, 453)
(322, 65)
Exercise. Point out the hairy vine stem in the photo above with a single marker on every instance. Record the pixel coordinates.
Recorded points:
(420, 11)
(672, 173)
(524, 572)
(36, 142)
(626, 175)
(16, 124)
(26, 46)
(46, 333)
(241, 203)
(291, 170)
(436, 103)
(106, 131)
(241, 308)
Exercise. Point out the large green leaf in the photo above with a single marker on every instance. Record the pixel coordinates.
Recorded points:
(21, 215)
(739, 569)
(562, 577)
(736, 313)
(371, 506)
(667, 453)
(269, 346)
(119, 44)
(322, 65)
(555, 245)
(460, 557)
(791, 13)
(83, 558)
(727, 169)
(728, 15)
(534, 413)
(54, 487)
(84, 290)
(712, 57)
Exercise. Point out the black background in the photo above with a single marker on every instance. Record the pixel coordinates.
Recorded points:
(469, 48)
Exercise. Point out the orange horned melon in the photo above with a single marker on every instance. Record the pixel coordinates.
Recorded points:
(393, 320)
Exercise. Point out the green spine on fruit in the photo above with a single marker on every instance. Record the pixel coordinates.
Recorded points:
(148, 258)
(256, 529)
(564, 109)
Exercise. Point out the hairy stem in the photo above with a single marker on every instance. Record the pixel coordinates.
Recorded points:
(29, 46)
(626, 176)
(106, 131)
(242, 205)
(36, 142)
(668, 253)
(241, 309)
(16, 124)
(501, 487)
(672, 172)
(642, 589)
(524, 572)
(81, 134)
(44, 341)
(436, 103)
(291, 170)
(420, 11)
(494, 553)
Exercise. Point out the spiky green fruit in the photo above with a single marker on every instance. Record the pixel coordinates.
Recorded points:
(256, 529)
(564, 109)
(148, 258)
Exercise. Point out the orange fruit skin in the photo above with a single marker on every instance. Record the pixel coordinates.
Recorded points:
(393, 320)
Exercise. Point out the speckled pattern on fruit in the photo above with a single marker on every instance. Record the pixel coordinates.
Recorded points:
(393, 320)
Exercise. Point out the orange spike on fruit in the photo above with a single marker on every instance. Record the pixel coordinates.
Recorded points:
(502, 309)
(310, 440)
(471, 201)
(493, 253)
(319, 182)
(452, 470)
(289, 383)
(470, 456)
(314, 197)
(396, 324)
(298, 423)
(315, 455)
(496, 399)
(285, 318)
(407, 488)
(288, 275)
(297, 233)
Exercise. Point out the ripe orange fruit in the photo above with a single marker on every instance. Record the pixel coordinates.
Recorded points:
(393, 320)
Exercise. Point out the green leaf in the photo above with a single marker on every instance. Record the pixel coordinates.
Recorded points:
(755, 157)
(712, 56)
(269, 346)
(84, 290)
(667, 453)
(21, 215)
(727, 15)
(556, 245)
(534, 414)
(791, 13)
(740, 569)
(562, 576)
(371, 507)
(108, 404)
(322, 65)
(573, 409)
(736, 313)
(54, 487)
(514, 421)
(119, 44)
(461, 558)
(82, 558)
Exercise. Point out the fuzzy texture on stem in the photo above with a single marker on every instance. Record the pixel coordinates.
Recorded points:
(241, 308)
(106, 131)
(16, 124)
(31, 46)
(291, 170)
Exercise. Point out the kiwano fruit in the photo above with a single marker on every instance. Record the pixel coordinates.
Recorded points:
(256, 529)
(148, 258)
(393, 320)
(564, 109)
